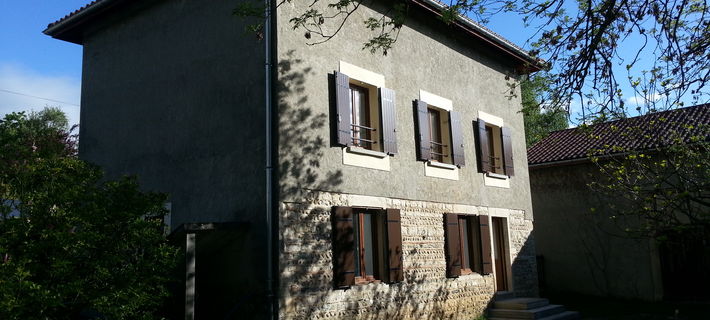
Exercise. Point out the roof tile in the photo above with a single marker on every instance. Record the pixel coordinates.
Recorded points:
(637, 133)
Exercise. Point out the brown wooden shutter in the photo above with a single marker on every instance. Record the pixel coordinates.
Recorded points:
(342, 101)
(423, 143)
(484, 159)
(456, 138)
(485, 233)
(394, 246)
(507, 151)
(343, 247)
(453, 245)
(388, 117)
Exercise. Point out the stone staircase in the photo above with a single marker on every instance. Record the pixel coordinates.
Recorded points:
(507, 307)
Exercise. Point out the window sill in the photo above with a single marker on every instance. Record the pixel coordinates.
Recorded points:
(360, 157)
(441, 170)
(496, 180)
(367, 152)
(442, 165)
(496, 175)
(359, 281)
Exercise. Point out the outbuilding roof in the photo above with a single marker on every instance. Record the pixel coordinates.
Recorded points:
(69, 28)
(608, 138)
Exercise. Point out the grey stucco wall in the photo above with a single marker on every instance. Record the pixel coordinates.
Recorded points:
(173, 93)
(586, 252)
(428, 55)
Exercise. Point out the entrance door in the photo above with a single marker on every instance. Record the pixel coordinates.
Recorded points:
(500, 245)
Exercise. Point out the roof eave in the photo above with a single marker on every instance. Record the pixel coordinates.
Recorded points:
(68, 29)
(528, 63)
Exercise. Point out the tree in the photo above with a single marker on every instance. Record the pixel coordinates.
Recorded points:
(539, 120)
(661, 191)
(582, 41)
(73, 244)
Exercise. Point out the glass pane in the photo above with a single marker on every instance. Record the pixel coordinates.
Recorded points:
(369, 248)
(466, 263)
(356, 230)
(359, 115)
(435, 135)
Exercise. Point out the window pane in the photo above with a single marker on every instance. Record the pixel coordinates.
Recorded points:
(368, 244)
(357, 237)
(475, 237)
(435, 134)
(466, 262)
(359, 107)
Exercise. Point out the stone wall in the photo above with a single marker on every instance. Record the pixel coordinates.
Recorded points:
(306, 264)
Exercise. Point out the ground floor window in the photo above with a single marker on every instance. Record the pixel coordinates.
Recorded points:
(367, 246)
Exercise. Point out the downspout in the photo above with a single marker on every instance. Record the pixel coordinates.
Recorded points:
(269, 45)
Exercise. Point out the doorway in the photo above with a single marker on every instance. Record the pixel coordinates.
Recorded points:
(500, 249)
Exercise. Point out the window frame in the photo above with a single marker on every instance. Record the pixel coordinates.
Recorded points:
(379, 244)
(470, 245)
(476, 244)
(495, 149)
(368, 127)
(350, 264)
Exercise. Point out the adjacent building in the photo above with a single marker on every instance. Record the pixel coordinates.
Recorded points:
(580, 237)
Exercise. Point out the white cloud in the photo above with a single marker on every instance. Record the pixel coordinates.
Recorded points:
(64, 90)
(637, 100)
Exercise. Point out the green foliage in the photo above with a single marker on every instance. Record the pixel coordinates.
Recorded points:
(72, 243)
(538, 122)
(663, 190)
(582, 42)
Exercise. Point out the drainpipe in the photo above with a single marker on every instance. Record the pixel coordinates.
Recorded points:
(269, 45)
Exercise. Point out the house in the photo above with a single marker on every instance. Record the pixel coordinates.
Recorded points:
(585, 252)
(321, 181)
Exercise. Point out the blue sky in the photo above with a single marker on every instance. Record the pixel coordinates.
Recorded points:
(34, 64)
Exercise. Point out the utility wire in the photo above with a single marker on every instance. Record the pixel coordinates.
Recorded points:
(36, 97)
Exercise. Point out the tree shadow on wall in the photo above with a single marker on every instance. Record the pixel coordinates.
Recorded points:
(301, 143)
(305, 273)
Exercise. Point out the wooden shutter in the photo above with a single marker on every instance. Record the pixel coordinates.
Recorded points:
(507, 151)
(456, 138)
(485, 233)
(343, 247)
(394, 246)
(423, 143)
(388, 117)
(484, 160)
(453, 245)
(342, 107)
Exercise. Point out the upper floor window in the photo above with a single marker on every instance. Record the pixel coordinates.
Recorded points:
(367, 246)
(365, 115)
(439, 136)
(495, 151)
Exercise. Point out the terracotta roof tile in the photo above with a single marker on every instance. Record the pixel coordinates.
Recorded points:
(75, 12)
(637, 133)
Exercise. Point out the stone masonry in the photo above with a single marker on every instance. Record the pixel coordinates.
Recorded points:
(306, 265)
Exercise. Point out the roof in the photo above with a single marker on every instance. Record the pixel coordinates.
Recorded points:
(615, 137)
(69, 27)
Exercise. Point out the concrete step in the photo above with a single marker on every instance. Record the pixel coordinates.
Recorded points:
(521, 303)
(504, 295)
(567, 315)
(537, 313)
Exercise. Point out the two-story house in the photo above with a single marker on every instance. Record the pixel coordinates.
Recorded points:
(337, 184)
